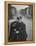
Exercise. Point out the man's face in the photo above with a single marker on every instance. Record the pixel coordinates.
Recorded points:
(19, 19)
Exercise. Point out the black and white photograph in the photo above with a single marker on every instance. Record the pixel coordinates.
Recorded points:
(19, 22)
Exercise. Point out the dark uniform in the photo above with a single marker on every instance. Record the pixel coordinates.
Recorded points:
(22, 35)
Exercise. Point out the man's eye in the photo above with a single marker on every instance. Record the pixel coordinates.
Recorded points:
(20, 17)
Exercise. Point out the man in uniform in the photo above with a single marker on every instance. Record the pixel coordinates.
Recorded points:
(18, 31)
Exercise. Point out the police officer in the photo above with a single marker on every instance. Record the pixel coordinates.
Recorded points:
(18, 30)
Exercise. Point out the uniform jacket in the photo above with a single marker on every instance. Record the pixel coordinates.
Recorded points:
(21, 27)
